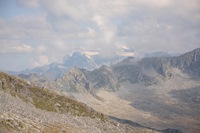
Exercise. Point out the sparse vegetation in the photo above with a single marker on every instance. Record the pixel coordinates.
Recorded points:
(55, 113)
(45, 99)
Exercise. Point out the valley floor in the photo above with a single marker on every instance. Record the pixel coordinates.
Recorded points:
(169, 104)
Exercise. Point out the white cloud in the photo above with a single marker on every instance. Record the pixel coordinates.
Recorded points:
(39, 61)
(74, 9)
(14, 47)
(84, 10)
(26, 27)
(41, 48)
(43, 59)
(89, 33)
(155, 3)
(107, 30)
(99, 20)
(121, 46)
(22, 48)
(57, 28)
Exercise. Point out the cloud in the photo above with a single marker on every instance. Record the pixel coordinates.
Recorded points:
(155, 3)
(84, 10)
(28, 3)
(39, 61)
(22, 48)
(25, 27)
(41, 48)
(75, 10)
(43, 59)
(14, 47)
(149, 34)
(57, 28)
(89, 33)
(107, 30)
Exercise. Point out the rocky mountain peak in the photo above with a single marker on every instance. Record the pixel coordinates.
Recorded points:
(148, 69)
(188, 62)
(80, 60)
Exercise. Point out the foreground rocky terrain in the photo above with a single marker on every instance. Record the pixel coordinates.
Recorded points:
(27, 108)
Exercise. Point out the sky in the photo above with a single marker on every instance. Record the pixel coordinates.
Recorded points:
(38, 32)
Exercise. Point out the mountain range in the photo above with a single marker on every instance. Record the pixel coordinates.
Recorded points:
(147, 71)
(79, 59)
(158, 92)
(76, 59)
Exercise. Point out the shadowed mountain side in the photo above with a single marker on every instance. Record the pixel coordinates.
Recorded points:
(160, 108)
(188, 63)
(138, 125)
(176, 99)
(191, 98)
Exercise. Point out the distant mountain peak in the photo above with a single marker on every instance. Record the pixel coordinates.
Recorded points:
(80, 60)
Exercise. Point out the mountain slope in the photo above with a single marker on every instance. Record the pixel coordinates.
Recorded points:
(27, 108)
(149, 70)
(188, 62)
(43, 98)
(81, 80)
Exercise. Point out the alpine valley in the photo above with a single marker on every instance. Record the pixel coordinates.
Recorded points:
(89, 95)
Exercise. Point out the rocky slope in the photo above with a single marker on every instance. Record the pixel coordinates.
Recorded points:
(27, 108)
(188, 62)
